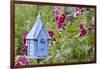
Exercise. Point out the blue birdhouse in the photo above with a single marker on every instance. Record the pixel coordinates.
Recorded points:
(37, 41)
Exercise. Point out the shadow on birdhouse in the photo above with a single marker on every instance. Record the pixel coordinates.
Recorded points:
(37, 41)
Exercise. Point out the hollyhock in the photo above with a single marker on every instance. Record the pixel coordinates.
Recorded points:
(60, 20)
(90, 28)
(21, 60)
(82, 30)
(56, 18)
(64, 16)
(81, 26)
(77, 11)
(51, 33)
(90, 17)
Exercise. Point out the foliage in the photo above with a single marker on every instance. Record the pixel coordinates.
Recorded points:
(69, 46)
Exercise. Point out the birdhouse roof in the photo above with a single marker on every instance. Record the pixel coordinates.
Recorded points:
(34, 32)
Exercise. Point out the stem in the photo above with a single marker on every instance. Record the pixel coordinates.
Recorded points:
(38, 61)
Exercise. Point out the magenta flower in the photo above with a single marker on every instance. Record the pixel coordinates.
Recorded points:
(90, 17)
(90, 28)
(81, 26)
(21, 60)
(56, 18)
(51, 33)
(82, 30)
(64, 16)
(60, 20)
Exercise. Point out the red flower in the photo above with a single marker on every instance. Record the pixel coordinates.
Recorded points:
(64, 16)
(81, 26)
(83, 32)
(60, 20)
(90, 17)
(51, 33)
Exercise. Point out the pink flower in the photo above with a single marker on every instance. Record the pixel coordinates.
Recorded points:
(56, 9)
(77, 11)
(90, 28)
(21, 60)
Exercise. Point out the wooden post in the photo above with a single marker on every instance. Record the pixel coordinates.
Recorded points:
(37, 10)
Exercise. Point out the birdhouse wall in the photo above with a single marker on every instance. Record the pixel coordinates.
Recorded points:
(35, 48)
(30, 48)
(42, 43)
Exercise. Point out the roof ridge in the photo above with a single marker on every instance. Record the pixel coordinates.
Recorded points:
(35, 28)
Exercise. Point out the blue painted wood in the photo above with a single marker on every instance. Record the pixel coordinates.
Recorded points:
(42, 46)
(37, 41)
(36, 29)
